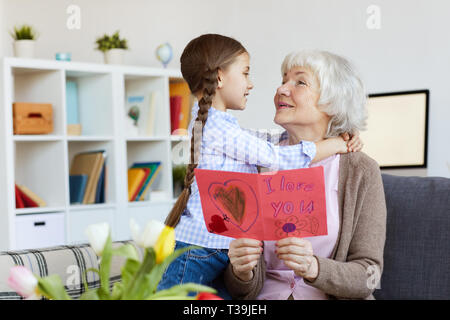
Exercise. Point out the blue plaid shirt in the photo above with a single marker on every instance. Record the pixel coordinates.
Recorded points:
(227, 147)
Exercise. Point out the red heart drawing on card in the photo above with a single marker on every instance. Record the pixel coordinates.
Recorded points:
(236, 200)
(217, 224)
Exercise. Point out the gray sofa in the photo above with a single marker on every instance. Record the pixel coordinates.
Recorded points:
(417, 249)
(416, 254)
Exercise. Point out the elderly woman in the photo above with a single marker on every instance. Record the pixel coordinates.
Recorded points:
(321, 96)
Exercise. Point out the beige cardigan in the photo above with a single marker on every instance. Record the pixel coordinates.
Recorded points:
(360, 242)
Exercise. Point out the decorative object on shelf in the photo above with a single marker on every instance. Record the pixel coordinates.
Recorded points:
(113, 48)
(133, 105)
(178, 174)
(139, 278)
(32, 118)
(141, 109)
(63, 56)
(24, 41)
(164, 53)
(73, 121)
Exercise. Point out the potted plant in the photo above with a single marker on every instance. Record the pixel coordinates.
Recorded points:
(113, 48)
(178, 174)
(24, 41)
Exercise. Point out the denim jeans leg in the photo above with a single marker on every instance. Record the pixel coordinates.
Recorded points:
(175, 271)
(201, 266)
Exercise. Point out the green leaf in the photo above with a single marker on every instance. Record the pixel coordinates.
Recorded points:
(129, 270)
(53, 288)
(105, 266)
(90, 295)
(25, 32)
(158, 271)
(127, 250)
(86, 288)
(117, 291)
(180, 290)
(136, 285)
(111, 42)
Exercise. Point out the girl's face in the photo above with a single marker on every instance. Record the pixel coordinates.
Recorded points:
(297, 97)
(234, 83)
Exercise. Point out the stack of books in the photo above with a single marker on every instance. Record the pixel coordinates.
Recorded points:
(141, 176)
(25, 198)
(88, 178)
(180, 105)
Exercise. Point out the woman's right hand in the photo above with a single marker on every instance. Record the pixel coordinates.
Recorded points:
(244, 256)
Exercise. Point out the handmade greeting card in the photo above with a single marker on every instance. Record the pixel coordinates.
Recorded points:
(264, 206)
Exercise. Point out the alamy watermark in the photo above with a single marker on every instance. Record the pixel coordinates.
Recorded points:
(374, 19)
(74, 19)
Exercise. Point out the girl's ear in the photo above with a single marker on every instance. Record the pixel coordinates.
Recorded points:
(220, 77)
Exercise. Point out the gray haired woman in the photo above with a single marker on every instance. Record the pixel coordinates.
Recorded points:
(321, 96)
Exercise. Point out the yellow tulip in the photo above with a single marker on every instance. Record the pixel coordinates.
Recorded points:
(165, 244)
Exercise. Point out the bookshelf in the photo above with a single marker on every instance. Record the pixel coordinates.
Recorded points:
(42, 162)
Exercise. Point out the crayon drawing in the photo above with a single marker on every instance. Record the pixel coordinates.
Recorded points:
(232, 198)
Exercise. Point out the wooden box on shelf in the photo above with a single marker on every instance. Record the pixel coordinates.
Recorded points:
(32, 118)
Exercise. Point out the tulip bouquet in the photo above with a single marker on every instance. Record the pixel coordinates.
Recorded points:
(139, 279)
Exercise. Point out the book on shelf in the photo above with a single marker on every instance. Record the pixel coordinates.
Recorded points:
(22, 200)
(142, 121)
(149, 114)
(175, 110)
(100, 192)
(19, 200)
(33, 196)
(154, 168)
(181, 88)
(136, 178)
(90, 164)
(77, 185)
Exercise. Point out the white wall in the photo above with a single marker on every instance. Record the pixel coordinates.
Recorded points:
(2, 26)
(410, 51)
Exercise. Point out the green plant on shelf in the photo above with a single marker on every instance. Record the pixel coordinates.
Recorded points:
(24, 32)
(178, 174)
(106, 42)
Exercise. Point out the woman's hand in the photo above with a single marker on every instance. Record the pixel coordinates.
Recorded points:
(244, 256)
(354, 142)
(297, 254)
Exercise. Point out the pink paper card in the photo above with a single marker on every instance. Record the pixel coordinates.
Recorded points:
(265, 206)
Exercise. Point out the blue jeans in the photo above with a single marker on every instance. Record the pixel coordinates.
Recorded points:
(203, 266)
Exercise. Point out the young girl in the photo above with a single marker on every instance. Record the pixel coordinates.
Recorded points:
(216, 69)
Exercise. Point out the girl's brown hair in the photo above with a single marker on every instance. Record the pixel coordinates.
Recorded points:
(200, 62)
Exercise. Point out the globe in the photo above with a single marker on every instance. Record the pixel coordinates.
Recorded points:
(164, 53)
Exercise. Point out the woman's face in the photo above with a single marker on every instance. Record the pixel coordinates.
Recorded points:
(296, 99)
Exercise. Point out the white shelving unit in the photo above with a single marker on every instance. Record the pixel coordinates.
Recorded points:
(42, 162)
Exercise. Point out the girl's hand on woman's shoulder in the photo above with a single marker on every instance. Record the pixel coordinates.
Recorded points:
(244, 256)
(354, 142)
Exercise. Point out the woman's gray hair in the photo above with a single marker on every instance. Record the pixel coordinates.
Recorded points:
(342, 93)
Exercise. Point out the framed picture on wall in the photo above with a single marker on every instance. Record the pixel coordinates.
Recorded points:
(397, 129)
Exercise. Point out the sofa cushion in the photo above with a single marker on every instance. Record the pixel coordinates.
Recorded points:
(69, 262)
(417, 249)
